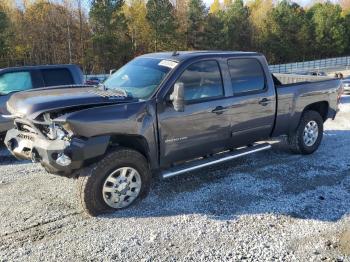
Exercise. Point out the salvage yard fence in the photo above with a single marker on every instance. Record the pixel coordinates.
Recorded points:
(329, 64)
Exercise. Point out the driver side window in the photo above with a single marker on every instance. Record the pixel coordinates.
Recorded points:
(202, 80)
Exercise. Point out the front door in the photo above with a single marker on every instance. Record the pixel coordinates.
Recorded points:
(204, 126)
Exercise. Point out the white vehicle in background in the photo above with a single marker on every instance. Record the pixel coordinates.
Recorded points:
(95, 79)
(346, 84)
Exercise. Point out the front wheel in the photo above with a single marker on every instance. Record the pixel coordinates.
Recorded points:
(308, 136)
(115, 182)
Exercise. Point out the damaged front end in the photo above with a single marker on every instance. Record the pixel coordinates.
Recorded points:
(49, 140)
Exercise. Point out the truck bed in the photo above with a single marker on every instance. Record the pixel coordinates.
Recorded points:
(295, 92)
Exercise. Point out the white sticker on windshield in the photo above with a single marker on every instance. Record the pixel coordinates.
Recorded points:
(168, 63)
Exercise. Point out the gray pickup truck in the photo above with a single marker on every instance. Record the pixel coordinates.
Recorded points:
(165, 114)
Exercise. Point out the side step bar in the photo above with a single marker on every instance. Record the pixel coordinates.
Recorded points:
(216, 159)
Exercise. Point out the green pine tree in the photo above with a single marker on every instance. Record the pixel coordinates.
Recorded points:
(196, 18)
(4, 24)
(214, 37)
(111, 46)
(237, 27)
(160, 15)
(329, 29)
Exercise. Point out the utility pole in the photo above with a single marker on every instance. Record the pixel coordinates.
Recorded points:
(81, 34)
(69, 41)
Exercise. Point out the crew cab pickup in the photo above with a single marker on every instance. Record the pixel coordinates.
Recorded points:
(166, 114)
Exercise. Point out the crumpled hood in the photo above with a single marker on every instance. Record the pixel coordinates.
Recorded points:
(32, 103)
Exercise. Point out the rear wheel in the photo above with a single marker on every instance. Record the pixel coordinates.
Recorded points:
(117, 181)
(308, 136)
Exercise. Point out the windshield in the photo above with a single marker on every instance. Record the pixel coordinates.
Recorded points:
(140, 77)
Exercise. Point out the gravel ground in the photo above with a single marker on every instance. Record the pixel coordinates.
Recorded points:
(270, 206)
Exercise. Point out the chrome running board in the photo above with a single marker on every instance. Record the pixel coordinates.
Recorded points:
(215, 159)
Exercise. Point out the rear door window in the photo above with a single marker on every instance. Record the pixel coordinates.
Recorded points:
(202, 80)
(247, 75)
(57, 77)
(14, 82)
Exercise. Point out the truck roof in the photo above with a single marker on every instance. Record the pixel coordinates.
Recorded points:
(20, 68)
(184, 55)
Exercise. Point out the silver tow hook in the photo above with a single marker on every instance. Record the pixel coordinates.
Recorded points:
(35, 156)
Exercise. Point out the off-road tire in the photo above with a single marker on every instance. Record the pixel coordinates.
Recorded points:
(295, 139)
(91, 179)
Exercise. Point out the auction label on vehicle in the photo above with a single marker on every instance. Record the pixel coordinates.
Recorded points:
(168, 63)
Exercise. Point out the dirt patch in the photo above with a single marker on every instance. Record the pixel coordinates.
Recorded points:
(344, 242)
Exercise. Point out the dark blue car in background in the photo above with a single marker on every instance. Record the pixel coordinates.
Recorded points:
(17, 79)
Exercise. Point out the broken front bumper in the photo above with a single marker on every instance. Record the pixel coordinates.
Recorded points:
(24, 145)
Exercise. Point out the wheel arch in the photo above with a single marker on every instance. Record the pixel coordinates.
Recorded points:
(135, 142)
(320, 107)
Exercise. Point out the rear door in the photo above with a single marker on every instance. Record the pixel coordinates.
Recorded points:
(57, 77)
(253, 103)
(37, 78)
(204, 126)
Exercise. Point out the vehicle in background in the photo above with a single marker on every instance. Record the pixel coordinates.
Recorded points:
(166, 114)
(317, 73)
(312, 73)
(15, 79)
(346, 84)
(94, 80)
(297, 78)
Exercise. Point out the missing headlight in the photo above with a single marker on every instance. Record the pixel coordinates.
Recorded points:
(54, 130)
(57, 132)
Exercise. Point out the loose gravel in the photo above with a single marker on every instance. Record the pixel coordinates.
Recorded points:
(271, 206)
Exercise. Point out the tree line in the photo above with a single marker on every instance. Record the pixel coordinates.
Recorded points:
(111, 32)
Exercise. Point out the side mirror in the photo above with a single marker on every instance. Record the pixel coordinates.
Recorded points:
(178, 97)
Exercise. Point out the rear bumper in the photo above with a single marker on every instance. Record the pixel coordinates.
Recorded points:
(39, 149)
(346, 88)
